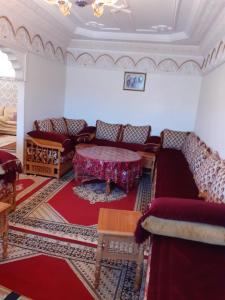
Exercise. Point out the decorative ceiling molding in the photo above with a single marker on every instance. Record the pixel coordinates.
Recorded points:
(215, 57)
(144, 64)
(20, 38)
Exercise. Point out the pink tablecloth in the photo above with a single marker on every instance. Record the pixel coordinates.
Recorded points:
(120, 166)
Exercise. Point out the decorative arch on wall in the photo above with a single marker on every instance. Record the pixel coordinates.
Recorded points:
(143, 64)
(22, 38)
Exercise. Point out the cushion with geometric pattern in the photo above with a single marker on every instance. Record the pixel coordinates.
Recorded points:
(216, 192)
(75, 126)
(199, 155)
(135, 134)
(205, 175)
(173, 139)
(44, 125)
(59, 125)
(106, 131)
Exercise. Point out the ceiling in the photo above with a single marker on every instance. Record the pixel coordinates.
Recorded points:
(174, 22)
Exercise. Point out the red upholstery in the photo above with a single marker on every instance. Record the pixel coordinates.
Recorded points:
(181, 209)
(186, 270)
(191, 210)
(149, 147)
(66, 142)
(174, 178)
(10, 166)
(182, 269)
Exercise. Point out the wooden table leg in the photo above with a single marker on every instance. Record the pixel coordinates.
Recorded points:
(108, 189)
(139, 262)
(5, 235)
(98, 261)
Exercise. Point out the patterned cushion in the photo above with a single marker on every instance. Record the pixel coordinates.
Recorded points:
(216, 192)
(59, 125)
(205, 175)
(199, 155)
(44, 125)
(173, 139)
(191, 143)
(75, 126)
(135, 134)
(109, 132)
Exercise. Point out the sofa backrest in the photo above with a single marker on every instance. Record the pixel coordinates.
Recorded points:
(60, 125)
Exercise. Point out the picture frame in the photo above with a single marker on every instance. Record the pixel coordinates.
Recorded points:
(134, 81)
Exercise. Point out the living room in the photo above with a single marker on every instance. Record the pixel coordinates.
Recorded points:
(75, 66)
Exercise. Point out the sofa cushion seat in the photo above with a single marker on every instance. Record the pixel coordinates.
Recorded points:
(132, 147)
(174, 178)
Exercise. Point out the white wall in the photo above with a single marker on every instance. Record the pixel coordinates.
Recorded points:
(44, 89)
(169, 100)
(210, 121)
(41, 95)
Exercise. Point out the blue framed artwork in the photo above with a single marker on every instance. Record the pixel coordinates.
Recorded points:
(134, 81)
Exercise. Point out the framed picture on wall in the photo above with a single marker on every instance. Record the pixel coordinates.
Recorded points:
(134, 81)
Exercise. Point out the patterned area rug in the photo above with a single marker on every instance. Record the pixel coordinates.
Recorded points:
(49, 234)
(95, 192)
(55, 210)
(33, 258)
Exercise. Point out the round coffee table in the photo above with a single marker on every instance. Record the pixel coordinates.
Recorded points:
(121, 166)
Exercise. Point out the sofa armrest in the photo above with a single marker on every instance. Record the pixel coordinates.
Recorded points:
(190, 219)
(51, 139)
(86, 135)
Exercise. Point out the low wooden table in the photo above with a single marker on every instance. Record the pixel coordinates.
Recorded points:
(4, 210)
(116, 240)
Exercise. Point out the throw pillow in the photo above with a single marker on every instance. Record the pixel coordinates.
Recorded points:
(216, 192)
(188, 219)
(44, 125)
(75, 126)
(109, 132)
(135, 134)
(191, 143)
(173, 139)
(205, 175)
(59, 125)
(198, 157)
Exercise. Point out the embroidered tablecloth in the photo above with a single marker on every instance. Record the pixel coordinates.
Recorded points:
(120, 166)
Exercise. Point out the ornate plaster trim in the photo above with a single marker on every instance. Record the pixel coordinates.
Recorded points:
(125, 62)
(215, 57)
(21, 38)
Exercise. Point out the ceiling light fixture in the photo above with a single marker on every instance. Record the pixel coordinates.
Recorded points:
(97, 5)
(64, 5)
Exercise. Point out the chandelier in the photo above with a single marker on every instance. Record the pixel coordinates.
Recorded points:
(64, 5)
(97, 5)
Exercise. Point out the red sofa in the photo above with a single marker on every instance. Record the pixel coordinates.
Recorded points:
(182, 269)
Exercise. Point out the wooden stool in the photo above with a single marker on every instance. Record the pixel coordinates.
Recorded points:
(116, 240)
(4, 210)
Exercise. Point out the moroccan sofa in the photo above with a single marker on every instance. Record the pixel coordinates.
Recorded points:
(135, 138)
(186, 222)
(49, 148)
(8, 119)
(10, 167)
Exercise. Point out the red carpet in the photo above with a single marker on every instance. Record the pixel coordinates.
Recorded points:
(79, 211)
(53, 208)
(52, 242)
(43, 278)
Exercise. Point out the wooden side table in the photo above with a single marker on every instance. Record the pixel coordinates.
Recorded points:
(4, 210)
(116, 240)
(148, 159)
